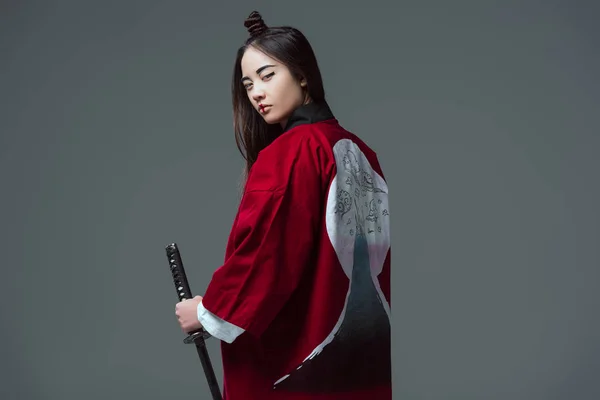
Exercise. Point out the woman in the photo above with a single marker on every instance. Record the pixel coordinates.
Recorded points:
(302, 302)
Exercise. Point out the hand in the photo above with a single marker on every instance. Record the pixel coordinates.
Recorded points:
(187, 314)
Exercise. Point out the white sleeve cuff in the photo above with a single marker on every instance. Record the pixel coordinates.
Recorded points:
(218, 327)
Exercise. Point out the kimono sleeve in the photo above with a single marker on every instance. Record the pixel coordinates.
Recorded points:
(274, 241)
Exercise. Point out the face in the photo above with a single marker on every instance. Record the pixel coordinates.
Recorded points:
(272, 89)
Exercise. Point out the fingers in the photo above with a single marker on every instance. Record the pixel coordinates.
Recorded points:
(185, 312)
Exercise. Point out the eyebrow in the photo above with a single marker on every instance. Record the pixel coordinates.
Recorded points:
(258, 71)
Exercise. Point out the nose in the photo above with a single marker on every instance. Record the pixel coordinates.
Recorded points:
(258, 94)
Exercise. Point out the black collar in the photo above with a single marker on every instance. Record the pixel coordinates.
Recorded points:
(308, 114)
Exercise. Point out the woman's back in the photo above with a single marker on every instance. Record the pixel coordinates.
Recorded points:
(314, 307)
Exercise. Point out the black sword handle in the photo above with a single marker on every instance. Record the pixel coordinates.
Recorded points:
(182, 287)
(197, 337)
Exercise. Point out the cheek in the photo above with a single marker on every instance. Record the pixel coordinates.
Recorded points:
(291, 98)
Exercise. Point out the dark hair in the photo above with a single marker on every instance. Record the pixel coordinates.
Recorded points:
(288, 46)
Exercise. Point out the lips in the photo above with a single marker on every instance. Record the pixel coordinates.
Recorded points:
(263, 107)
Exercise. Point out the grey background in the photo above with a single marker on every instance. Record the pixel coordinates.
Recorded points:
(116, 140)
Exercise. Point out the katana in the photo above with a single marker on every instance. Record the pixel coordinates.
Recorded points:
(197, 337)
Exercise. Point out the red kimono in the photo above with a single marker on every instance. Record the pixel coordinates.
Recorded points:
(302, 301)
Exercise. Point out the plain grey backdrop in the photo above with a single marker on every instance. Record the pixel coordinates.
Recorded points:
(116, 140)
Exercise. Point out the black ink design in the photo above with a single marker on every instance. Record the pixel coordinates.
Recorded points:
(362, 178)
(344, 202)
(364, 185)
(373, 211)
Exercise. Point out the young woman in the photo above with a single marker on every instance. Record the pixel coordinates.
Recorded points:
(302, 301)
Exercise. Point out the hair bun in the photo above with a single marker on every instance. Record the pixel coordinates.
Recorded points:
(255, 24)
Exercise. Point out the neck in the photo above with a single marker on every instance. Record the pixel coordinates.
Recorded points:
(307, 100)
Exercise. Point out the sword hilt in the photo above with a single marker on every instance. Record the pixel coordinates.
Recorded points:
(183, 289)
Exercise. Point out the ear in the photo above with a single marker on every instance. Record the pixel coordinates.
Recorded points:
(302, 80)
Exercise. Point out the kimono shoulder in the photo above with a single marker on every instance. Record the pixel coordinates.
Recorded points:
(299, 155)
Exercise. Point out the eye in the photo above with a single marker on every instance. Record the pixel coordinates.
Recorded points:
(268, 76)
(247, 86)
